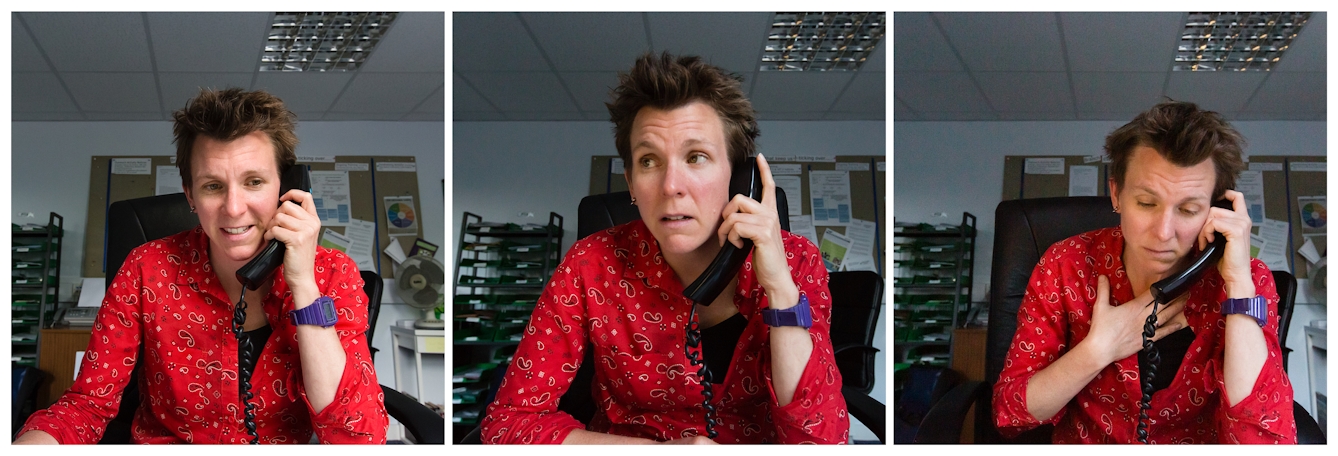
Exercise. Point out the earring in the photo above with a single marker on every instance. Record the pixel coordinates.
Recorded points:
(634, 201)
(192, 209)
(1116, 210)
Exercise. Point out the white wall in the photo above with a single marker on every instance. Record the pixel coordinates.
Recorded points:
(958, 166)
(51, 161)
(505, 168)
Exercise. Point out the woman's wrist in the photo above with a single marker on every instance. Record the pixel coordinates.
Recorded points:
(783, 296)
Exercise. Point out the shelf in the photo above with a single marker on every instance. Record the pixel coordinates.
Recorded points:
(924, 253)
(35, 284)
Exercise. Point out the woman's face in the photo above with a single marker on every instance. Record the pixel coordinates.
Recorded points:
(235, 191)
(1162, 209)
(680, 176)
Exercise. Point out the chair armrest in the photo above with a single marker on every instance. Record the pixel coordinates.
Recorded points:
(867, 410)
(854, 346)
(426, 426)
(1308, 431)
(943, 423)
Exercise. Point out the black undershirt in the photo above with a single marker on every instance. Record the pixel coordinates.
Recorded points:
(1171, 349)
(718, 344)
(258, 337)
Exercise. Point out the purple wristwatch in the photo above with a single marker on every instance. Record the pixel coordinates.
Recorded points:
(799, 315)
(1256, 307)
(320, 313)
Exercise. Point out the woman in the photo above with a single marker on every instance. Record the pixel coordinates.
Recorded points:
(1075, 359)
(680, 127)
(170, 307)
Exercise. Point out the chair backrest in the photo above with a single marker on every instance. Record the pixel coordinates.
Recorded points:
(373, 286)
(856, 303)
(1286, 285)
(1023, 230)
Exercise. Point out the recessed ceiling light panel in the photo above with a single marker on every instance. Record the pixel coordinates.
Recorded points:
(822, 41)
(322, 41)
(1236, 41)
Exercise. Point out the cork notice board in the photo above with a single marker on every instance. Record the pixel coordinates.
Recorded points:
(867, 178)
(1052, 176)
(371, 179)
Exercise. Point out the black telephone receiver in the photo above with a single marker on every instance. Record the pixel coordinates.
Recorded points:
(259, 269)
(746, 180)
(1163, 292)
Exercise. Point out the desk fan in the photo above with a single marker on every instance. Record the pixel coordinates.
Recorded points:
(420, 283)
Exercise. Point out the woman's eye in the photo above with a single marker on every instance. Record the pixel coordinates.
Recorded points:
(696, 158)
(254, 182)
(1142, 204)
(646, 162)
(212, 187)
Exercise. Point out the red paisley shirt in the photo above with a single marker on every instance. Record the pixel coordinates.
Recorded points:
(614, 289)
(1055, 315)
(169, 301)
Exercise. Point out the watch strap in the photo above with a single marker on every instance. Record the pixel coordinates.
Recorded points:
(1256, 307)
(799, 315)
(320, 313)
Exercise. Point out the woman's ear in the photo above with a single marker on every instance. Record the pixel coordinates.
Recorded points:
(1114, 191)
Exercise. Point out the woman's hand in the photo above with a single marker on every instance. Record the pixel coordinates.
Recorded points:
(1117, 331)
(298, 227)
(1235, 225)
(694, 440)
(759, 222)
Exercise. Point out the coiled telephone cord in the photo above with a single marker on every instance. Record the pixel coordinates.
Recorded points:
(1154, 359)
(696, 358)
(239, 319)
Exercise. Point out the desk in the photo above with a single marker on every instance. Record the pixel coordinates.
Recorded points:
(415, 343)
(1317, 359)
(57, 358)
(968, 358)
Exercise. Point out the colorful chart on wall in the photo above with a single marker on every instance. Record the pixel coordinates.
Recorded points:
(1314, 214)
(400, 215)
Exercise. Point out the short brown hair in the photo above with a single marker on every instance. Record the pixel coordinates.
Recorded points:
(230, 114)
(1183, 134)
(668, 82)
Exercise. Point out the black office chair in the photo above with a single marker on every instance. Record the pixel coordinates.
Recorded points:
(1024, 229)
(131, 223)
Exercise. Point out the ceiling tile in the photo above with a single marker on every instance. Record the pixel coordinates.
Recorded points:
(589, 41)
(797, 91)
(387, 92)
(1117, 92)
(92, 41)
(1270, 116)
(306, 116)
(1308, 50)
(807, 115)
(177, 88)
(732, 41)
(601, 114)
(303, 91)
(39, 92)
(1214, 91)
(25, 56)
(1291, 92)
(234, 44)
(522, 92)
(877, 61)
(416, 42)
(464, 98)
(492, 42)
(591, 90)
(866, 93)
(919, 46)
(1027, 92)
(434, 104)
(1121, 41)
(901, 112)
(113, 92)
(1005, 41)
(942, 92)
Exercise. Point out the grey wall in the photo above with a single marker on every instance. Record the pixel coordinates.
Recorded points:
(958, 166)
(50, 165)
(505, 168)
